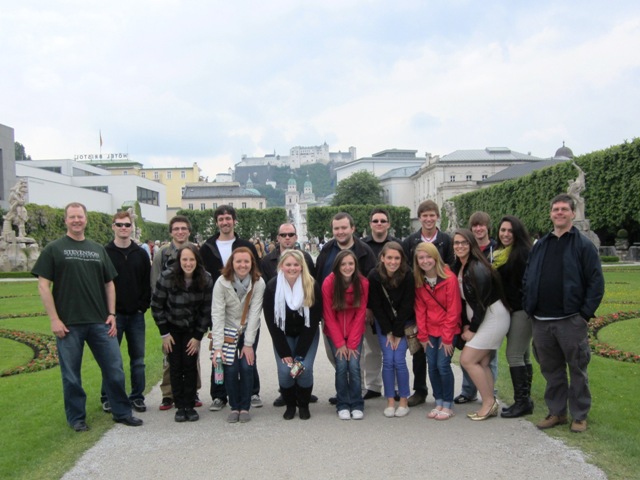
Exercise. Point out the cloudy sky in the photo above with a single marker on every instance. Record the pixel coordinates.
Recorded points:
(174, 82)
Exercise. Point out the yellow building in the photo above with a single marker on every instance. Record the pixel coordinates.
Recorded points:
(205, 195)
(173, 178)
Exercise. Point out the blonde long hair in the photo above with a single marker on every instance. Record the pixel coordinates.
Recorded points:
(308, 283)
(431, 250)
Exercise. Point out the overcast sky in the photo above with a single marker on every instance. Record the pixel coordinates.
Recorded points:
(176, 82)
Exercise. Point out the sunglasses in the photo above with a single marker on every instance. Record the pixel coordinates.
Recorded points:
(379, 221)
(287, 235)
(120, 225)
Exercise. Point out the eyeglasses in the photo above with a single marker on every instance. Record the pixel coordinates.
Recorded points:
(120, 225)
(179, 229)
(290, 235)
(379, 221)
(461, 243)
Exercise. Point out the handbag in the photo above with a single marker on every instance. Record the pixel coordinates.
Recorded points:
(232, 334)
(410, 330)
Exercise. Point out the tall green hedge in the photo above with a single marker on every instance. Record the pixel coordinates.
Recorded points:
(319, 219)
(612, 199)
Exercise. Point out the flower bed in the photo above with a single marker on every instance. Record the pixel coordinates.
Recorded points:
(44, 348)
(605, 350)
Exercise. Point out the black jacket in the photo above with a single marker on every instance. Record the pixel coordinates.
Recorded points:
(133, 288)
(582, 280)
(269, 264)
(211, 255)
(480, 288)
(402, 298)
(364, 254)
(442, 243)
(376, 247)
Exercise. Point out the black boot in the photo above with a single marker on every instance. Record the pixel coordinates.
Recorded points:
(303, 396)
(529, 368)
(289, 395)
(520, 382)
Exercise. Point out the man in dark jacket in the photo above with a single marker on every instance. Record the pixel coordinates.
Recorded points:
(563, 287)
(287, 239)
(215, 252)
(133, 294)
(428, 214)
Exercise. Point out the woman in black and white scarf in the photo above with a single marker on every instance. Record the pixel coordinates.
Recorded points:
(292, 309)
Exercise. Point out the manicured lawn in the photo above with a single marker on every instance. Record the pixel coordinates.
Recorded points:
(624, 335)
(35, 441)
(613, 438)
(13, 353)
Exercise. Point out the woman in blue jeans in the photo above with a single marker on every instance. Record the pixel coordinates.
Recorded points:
(438, 316)
(292, 310)
(235, 312)
(391, 298)
(344, 305)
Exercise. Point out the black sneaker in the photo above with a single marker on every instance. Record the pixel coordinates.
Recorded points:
(371, 394)
(106, 407)
(129, 421)
(181, 415)
(167, 403)
(462, 399)
(138, 405)
(333, 400)
(313, 399)
(279, 402)
(80, 426)
(191, 415)
(198, 401)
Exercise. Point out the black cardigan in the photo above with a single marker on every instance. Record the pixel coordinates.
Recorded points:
(402, 297)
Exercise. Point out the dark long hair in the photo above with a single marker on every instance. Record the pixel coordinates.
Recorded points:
(395, 280)
(199, 279)
(340, 285)
(521, 240)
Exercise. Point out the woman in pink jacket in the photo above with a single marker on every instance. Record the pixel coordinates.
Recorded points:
(438, 317)
(344, 299)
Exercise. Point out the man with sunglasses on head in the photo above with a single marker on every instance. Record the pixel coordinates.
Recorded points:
(287, 239)
(179, 231)
(371, 359)
(133, 295)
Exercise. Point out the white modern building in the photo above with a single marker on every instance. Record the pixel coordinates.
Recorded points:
(7, 164)
(380, 163)
(59, 182)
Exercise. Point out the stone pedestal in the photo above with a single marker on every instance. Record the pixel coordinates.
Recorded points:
(18, 254)
(584, 226)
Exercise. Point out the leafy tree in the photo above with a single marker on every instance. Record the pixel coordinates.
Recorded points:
(361, 188)
(21, 154)
(319, 219)
(275, 197)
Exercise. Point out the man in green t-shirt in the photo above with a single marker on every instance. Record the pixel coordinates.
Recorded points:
(81, 307)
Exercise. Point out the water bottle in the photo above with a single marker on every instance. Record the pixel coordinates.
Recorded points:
(218, 372)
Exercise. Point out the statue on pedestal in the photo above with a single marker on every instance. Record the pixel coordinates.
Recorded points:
(452, 216)
(18, 253)
(576, 187)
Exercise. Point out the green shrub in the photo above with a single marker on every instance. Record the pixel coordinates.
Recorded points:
(609, 259)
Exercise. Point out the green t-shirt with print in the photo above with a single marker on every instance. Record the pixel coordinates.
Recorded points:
(79, 271)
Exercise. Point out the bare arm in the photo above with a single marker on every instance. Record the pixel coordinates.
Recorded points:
(44, 289)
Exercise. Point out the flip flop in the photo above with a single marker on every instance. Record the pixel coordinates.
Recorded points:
(442, 415)
(433, 413)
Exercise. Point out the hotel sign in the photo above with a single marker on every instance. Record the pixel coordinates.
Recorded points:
(102, 156)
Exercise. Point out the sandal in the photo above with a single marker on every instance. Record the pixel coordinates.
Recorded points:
(433, 413)
(442, 415)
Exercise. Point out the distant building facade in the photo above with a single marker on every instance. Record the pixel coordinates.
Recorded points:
(7, 164)
(380, 163)
(210, 195)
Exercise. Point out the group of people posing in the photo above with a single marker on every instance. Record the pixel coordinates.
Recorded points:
(374, 299)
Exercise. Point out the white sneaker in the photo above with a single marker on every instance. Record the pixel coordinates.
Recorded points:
(344, 414)
(256, 401)
(389, 412)
(357, 414)
(402, 411)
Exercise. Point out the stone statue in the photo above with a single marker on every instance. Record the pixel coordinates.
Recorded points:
(17, 214)
(575, 188)
(135, 232)
(450, 209)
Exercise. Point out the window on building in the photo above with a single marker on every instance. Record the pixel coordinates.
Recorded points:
(468, 178)
(244, 204)
(203, 206)
(452, 178)
(143, 174)
(214, 205)
(169, 175)
(125, 172)
(156, 175)
(231, 204)
(260, 206)
(484, 177)
(148, 196)
(99, 188)
(183, 174)
(191, 206)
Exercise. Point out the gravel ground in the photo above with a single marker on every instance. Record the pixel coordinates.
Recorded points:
(324, 446)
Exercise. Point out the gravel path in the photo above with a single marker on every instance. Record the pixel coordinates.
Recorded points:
(325, 447)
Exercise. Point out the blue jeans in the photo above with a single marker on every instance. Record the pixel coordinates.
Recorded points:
(348, 388)
(469, 390)
(106, 351)
(305, 379)
(238, 380)
(220, 391)
(440, 372)
(394, 365)
(132, 326)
